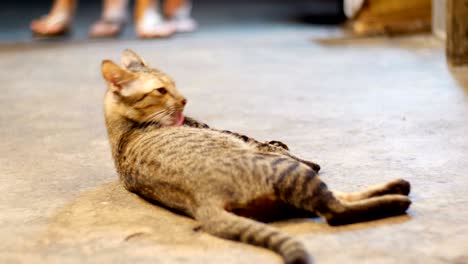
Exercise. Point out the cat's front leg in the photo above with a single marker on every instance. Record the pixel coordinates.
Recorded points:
(279, 144)
(280, 149)
(270, 146)
(190, 122)
(311, 164)
(285, 151)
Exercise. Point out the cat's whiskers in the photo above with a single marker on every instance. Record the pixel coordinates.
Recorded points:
(161, 115)
(158, 118)
(152, 117)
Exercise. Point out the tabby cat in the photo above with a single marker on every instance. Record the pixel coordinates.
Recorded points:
(222, 179)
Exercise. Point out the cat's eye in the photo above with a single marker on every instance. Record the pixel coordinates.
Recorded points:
(162, 90)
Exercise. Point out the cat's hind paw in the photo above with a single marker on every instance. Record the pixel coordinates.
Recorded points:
(398, 186)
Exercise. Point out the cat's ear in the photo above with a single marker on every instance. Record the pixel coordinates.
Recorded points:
(132, 61)
(115, 75)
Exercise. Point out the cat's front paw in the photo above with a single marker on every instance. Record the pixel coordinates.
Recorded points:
(278, 144)
(312, 165)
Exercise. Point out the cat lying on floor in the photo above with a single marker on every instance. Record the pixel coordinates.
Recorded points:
(221, 179)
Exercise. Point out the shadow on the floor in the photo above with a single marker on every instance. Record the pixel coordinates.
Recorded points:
(113, 209)
(110, 216)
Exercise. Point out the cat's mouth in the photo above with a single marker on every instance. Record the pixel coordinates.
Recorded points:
(176, 119)
(179, 119)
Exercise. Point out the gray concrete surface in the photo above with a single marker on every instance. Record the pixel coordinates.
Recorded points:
(368, 111)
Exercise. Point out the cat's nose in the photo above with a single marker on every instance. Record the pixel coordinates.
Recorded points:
(184, 101)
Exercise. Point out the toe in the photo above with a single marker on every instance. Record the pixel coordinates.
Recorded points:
(104, 30)
(37, 25)
(157, 32)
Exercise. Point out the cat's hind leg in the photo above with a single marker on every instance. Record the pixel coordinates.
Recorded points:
(398, 186)
(341, 213)
(221, 223)
(301, 187)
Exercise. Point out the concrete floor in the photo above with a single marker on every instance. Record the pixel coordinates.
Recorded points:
(368, 111)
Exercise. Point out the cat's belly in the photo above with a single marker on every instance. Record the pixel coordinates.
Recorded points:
(180, 167)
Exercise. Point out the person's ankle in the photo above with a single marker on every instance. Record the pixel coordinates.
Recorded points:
(114, 14)
(182, 12)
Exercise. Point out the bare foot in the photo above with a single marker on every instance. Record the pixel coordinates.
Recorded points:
(106, 28)
(52, 24)
(178, 12)
(184, 25)
(58, 20)
(152, 25)
(112, 20)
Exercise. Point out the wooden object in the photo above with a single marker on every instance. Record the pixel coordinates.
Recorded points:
(392, 17)
(457, 32)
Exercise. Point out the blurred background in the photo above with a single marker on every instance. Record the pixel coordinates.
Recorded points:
(211, 15)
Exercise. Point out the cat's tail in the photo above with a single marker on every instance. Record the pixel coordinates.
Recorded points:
(221, 223)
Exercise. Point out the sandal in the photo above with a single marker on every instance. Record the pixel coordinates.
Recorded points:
(184, 25)
(106, 28)
(153, 26)
(56, 25)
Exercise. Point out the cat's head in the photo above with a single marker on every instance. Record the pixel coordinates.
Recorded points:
(140, 93)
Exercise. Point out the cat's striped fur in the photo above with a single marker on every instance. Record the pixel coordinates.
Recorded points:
(270, 146)
(220, 178)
